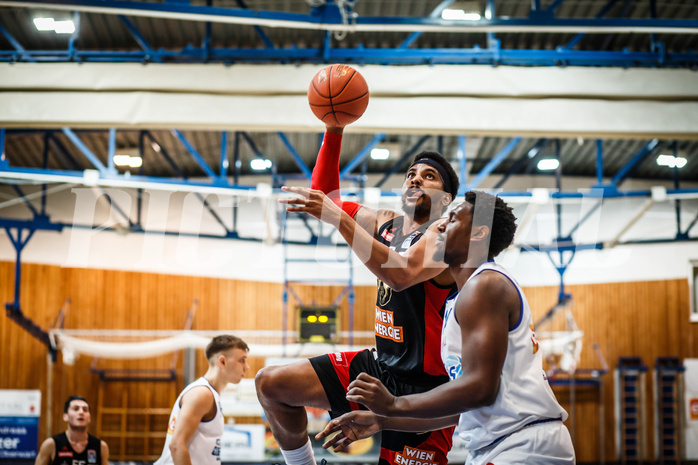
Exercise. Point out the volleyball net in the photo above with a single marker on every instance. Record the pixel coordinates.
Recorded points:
(139, 344)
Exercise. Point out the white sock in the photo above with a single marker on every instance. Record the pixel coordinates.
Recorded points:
(302, 456)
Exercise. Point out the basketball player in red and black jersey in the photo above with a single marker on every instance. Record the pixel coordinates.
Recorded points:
(412, 289)
(74, 446)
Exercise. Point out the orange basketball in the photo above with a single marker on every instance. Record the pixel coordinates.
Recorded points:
(338, 95)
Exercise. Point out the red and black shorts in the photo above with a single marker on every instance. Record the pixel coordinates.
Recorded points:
(339, 369)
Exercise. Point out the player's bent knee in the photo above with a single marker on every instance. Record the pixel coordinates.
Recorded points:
(269, 383)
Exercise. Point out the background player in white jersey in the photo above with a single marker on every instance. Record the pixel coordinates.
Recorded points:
(508, 413)
(196, 423)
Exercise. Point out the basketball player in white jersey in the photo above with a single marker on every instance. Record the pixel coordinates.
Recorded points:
(196, 423)
(504, 408)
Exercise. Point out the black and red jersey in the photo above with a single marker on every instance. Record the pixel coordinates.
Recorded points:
(66, 455)
(408, 323)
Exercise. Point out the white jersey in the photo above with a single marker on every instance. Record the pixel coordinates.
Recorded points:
(205, 445)
(524, 396)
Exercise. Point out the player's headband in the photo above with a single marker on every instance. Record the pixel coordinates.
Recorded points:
(445, 178)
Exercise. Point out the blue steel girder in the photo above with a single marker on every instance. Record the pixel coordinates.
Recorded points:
(217, 180)
(74, 36)
(402, 160)
(530, 155)
(600, 193)
(434, 14)
(294, 154)
(197, 157)
(583, 220)
(553, 6)
(251, 144)
(163, 151)
(151, 55)
(561, 266)
(224, 163)
(63, 152)
(111, 150)
(363, 153)
(260, 32)
(117, 208)
(623, 13)
(626, 170)
(11, 39)
(26, 202)
(493, 163)
(327, 17)
(387, 56)
(606, 8)
(691, 224)
(86, 151)
(321, 19)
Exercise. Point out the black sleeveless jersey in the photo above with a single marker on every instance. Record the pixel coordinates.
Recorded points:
(65, 455)
(408, 323)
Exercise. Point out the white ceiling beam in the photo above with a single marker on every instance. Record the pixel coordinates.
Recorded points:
(388, 81)
(504, 117)
(448, 100)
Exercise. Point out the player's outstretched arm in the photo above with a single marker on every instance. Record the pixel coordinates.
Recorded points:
(361, 424)
(46, 452)
(325, 178)
(196, 404)
(397, 271)
(104, 449)
(486, 304)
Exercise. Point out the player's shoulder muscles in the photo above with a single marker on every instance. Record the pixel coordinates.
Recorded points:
(104, 449)
(46, 452)
(197, 403)
(494, 291)
(371, 219)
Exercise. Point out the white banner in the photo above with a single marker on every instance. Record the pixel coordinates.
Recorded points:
(19, 424)
(20, 403)
(243, 443)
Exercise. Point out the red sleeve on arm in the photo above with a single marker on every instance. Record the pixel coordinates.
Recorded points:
(350, 207)
(326, 172)
(325, 175)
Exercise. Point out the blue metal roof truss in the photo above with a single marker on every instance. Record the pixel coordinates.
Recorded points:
(328, 17)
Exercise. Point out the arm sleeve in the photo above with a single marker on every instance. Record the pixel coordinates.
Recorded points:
(325, 175)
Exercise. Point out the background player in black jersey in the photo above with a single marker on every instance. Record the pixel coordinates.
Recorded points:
(75, 445)
(399, 249)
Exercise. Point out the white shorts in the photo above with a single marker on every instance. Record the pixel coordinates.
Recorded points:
(542, 444)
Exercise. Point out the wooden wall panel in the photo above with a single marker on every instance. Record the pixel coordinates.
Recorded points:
(646, 319)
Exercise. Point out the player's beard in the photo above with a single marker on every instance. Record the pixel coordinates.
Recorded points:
(419, 209)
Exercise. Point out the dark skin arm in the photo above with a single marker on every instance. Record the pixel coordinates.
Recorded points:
(486, 308)
(397, 271)
(361, 424)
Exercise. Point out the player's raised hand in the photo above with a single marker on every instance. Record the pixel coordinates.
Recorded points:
(313, 202)
(370, 392)
(351, 427)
